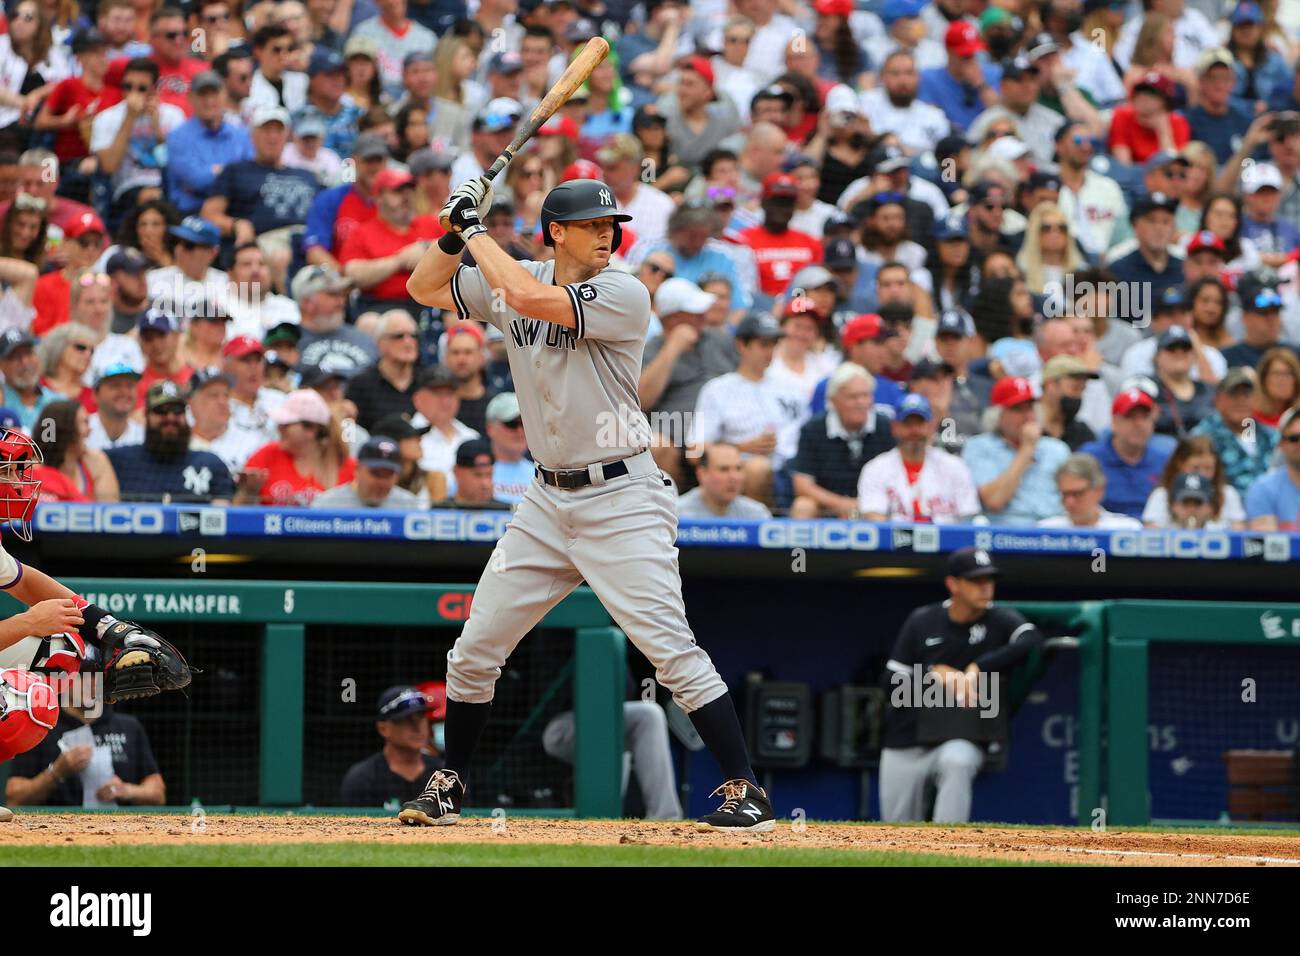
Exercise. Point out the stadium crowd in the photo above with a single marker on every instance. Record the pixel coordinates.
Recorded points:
(1034, 260)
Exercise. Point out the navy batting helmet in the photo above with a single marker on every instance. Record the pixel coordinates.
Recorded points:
(581, 199)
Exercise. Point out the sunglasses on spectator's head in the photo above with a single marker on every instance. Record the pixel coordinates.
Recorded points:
(1268, 299)
(94, 278)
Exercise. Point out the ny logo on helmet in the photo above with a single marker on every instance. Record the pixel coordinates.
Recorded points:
(605, 198)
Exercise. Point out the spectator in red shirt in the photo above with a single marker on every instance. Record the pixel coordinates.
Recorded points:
(171, 43)
(160, 342)
(74, 101)
(380, 255)
(52, 299)
(1147, 125)
(309, 457)
(779, 250)
(38, 176)
(65, 356)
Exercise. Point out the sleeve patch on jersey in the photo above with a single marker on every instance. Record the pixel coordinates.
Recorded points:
(586, 293)
(579, 320)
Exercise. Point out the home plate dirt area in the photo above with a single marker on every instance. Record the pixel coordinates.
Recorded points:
(973, 843)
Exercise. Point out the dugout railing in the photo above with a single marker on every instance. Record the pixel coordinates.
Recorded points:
(279, 615)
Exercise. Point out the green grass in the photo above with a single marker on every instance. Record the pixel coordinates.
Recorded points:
(462, 854)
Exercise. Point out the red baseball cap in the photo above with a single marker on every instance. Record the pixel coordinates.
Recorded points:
(467, 328)
(391, 179)
(1157, 83)
(963, 38)
(1205, 239)
(86, 222)
(701, 66)
(1011, 391)
(242, 345)
(779, 184)
(582, 169)
(863, 327)
(1130, 399)
(435, 694)
(834, 8)
(559, 125)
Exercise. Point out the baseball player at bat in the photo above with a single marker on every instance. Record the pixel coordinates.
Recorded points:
(598, 510)
(60, 633)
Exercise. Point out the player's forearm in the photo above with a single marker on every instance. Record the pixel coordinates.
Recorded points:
(432, 274)
(36, 586)
(1009, 655)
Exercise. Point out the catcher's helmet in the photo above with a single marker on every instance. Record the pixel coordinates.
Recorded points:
(581, 199)
(18, 488)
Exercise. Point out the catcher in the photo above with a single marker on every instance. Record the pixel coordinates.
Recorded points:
(60, 634)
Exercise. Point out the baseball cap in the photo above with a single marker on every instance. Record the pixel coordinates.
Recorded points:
(1066, 366)
(1012, 390)
(470, 454)
(1259, 176)
(369, 146)
(913, 405)
(127, 259)
(156, 320)
(269, 114)
(579, 30)
(1009, 148)
(360, 46)
(955, 322)
(888, 159)
(996, 17)
(206, 81)
(895, 10)
(682, 295)
(700, 65)
(85, 223)
(841, 99)
(507, 63)
(88, 39)
(500, 114)
(240, 346)
(1171, 300)
(811, 277)
(839, 252)
(582, 169)
(645, 117)
(1206, 240)
(313, 279)
(314, 376)
(325, 60)
(204, 377)
(9, 419)
(282, 332)
(116, 370)
(398, 703)
(862, 327)
(381, 451)
(308, 126)
(560, 125)
(620, 148)
(1209, 59)
(833, 8)
(392, 179)
(436, 376)
(1191, 487)
(1287, 418)
(1018, 357)
(759, 325)
(427, 161)
(1130, 399)
(1239, 377)
(302, 405)
(1257, 291)
(1041, 45)
(504, 407)
(1152, 202)
(963, 38)
(1174, 337)
(398, 427)
(1042, 179)
(971, 563)
(1156, 83)
(1018, 68)
(164, 392)
(930, 368)
(197, 230)
(988, 189)
(1247, 13)
(14, 339)
(947, 230)
(780, 184)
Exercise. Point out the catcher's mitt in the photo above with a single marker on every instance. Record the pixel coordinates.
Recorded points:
(140, 663)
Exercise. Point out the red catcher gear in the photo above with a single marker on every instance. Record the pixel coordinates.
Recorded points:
(18, 456)
(435, 693)
(29, 709)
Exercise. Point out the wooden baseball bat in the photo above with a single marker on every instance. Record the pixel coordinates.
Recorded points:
(573, 77)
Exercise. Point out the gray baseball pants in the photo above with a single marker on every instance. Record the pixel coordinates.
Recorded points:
(905, 772)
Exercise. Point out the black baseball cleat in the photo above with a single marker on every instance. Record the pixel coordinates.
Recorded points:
(438, 805)
(745, 809)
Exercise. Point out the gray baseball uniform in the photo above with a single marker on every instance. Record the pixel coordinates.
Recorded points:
(577, 391)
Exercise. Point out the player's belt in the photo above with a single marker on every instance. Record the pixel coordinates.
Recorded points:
(580, 477)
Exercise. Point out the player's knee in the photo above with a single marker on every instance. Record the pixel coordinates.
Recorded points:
(644, 715)
(959, 761)
(804, 509)
(31, 709)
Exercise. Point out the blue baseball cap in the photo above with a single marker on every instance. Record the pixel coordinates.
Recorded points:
(197, 230)
(911, 405)
(156, 320)
(1171, 299)
(9, 419)
(1247, 13)
(398, 703)
(946, 230)
(325, 60)
(898, 9)
(1174, 337)
(115, 370)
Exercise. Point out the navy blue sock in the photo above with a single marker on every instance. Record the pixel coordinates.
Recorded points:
(465, 723)
(719, 728)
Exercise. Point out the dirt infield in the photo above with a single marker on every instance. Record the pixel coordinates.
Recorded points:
(1019, 844)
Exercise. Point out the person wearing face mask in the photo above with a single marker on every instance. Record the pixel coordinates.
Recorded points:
(1064, 381)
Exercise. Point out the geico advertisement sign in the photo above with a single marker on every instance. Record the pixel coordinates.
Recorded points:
(1214, 545)
(826, 535)
(100, 519)
(485, 526)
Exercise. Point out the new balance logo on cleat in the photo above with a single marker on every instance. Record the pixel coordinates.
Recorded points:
(438, 805)
(745, 808)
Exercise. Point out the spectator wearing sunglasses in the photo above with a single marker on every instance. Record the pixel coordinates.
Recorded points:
(171, 44)
(1261, 320)
(64, 355)
(986, 217)
(203, 145)
(512, 470)
(273, 83)
(24, 394)
(386, 387)
(1019, 91)
(52, 298)
(1242, 442)
(186, 287)
(1261, 195)
(965, 86)
(380, 254)
(1273, 501)
(1093, 202)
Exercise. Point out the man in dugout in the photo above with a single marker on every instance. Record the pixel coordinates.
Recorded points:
(967, 646)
